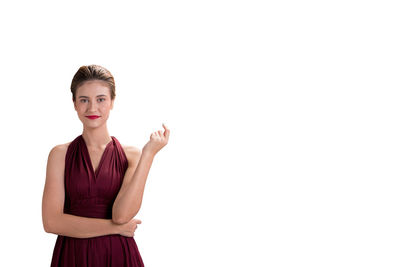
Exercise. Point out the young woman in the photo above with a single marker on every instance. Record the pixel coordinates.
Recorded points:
(94, 185)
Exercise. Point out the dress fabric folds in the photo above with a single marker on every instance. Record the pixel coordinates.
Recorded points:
(91, 193)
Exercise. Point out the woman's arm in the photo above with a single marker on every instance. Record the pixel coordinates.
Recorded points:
(130, 195)
(129, 199)
(54, 219)
(81, 227)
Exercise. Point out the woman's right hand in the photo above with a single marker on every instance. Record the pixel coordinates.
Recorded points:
(128, 229)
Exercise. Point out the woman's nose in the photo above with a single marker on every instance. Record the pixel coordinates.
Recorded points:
(92, 106)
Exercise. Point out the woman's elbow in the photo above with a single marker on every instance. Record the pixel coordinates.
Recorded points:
(119, 220)
(50, 223)
(122, 218)
(47, 226)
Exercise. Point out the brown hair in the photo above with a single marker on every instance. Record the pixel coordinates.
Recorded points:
(92, 72)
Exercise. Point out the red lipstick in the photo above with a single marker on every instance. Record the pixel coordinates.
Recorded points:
(92, 117)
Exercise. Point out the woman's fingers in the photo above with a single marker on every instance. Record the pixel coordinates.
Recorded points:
(166, 132)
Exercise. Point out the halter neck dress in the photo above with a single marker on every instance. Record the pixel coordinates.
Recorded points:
(91, 193)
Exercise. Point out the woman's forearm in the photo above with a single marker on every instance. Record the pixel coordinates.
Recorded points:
(82, 227)
(129, 198)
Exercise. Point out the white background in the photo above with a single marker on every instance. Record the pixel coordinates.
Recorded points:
(284, 119)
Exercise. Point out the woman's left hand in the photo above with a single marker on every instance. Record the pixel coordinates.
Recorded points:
(157, 141)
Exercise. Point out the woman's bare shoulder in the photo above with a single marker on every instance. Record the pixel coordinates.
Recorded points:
(59, 151)
(133, 153)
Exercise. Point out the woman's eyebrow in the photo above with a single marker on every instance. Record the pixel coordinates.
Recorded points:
(83, 96)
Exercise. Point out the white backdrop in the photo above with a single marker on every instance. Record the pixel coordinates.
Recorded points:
(284, 119)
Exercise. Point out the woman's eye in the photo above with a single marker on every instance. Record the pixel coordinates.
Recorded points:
(84, 100)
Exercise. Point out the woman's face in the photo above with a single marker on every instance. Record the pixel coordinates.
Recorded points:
(93, 98)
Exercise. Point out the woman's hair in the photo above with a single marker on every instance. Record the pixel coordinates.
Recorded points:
(92, 72)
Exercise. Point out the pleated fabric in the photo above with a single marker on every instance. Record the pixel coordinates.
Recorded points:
(91, 193)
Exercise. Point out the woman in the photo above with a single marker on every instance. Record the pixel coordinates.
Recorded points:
(94, 185)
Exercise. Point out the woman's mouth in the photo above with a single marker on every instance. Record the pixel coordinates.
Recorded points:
(92, 117)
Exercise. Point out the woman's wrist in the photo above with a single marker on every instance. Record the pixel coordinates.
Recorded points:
(147, 153)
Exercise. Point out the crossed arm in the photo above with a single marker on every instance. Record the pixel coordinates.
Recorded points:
(57, 222)
(129, 199)
(81, 227)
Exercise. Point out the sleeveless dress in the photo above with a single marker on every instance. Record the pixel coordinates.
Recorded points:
(91, 193)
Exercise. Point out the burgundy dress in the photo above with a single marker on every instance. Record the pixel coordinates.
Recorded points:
(90, 193)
